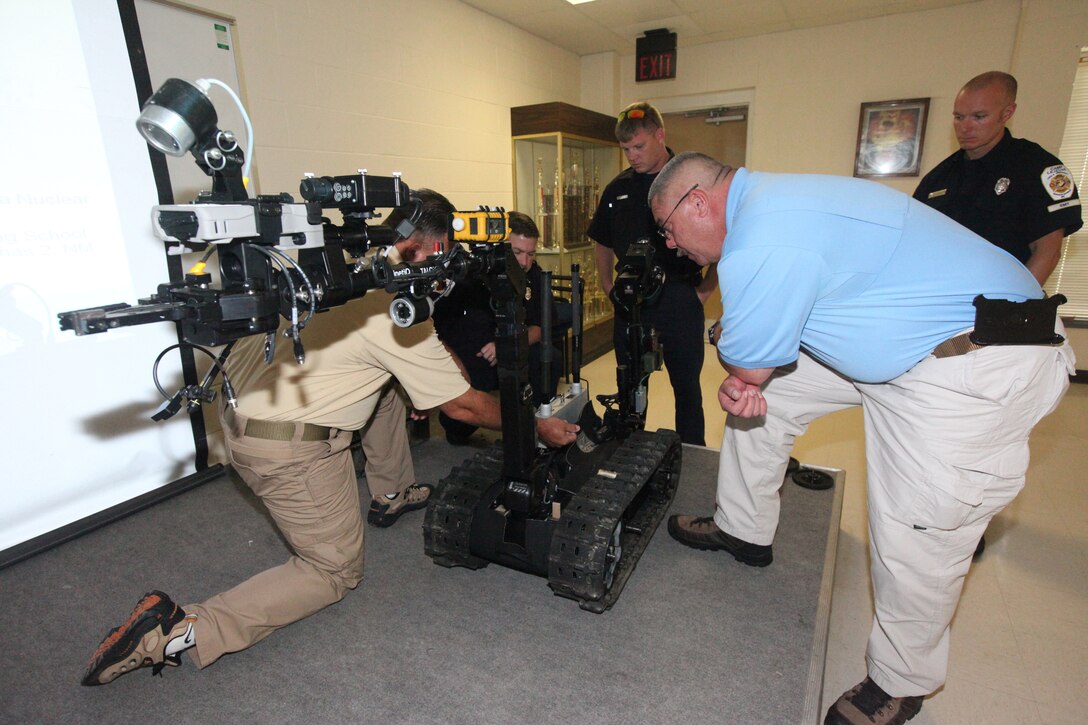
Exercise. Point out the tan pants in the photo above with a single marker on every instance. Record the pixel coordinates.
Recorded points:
(310, 489)
(947, 449)
(387, 448)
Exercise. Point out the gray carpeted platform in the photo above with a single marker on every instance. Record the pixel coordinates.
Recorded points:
(695, 635)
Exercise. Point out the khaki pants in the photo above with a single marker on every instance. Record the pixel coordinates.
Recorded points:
(385, 443)
(310, 489)
(946, 448)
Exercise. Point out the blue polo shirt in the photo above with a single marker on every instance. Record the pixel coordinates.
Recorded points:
(860, 276)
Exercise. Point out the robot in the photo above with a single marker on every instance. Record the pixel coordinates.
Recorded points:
(583, 515)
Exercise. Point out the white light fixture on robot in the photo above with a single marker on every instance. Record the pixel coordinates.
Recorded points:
(176, 117)
(180, 115)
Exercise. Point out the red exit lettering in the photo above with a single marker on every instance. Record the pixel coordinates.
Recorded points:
(656, 66)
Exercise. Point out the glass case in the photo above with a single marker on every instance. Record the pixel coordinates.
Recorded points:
(558, 179)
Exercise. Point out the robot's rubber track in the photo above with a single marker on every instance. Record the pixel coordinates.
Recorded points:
(583, 542)
(447, 524)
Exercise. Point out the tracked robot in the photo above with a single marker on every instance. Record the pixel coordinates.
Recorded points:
(580, 516)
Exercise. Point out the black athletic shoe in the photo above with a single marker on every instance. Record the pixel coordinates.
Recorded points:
(867, 704)
(384, 512)
(139, 642)
(702, 533)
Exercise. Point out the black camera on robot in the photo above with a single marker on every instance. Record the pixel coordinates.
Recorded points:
(638, 280)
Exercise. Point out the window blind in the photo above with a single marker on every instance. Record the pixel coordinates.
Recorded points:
(1070, 277)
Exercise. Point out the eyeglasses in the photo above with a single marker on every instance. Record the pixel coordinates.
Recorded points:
(661, 226)
(633, 114)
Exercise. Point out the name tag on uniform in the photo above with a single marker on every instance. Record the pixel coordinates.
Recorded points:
(1063, 204)
(621, 198)
(935, 194)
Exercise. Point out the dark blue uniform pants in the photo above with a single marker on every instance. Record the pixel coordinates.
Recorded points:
(678, 318)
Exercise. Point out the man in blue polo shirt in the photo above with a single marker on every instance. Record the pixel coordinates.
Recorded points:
(837, 293)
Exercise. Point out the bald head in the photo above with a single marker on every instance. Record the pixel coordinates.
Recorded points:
(1002, 82)
(686, 169)
(982, 108)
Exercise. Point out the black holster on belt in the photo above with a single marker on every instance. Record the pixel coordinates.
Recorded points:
(1031, 322)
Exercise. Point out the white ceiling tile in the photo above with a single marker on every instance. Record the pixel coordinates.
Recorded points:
(613, 25)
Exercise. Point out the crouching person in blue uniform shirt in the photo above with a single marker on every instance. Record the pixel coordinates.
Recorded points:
(832, 299)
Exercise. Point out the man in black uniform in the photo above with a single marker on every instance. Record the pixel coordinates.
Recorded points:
(465, 322)
(622, 217)
(1010, 191)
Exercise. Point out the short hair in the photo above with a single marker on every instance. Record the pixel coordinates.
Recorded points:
(707, 171)
(523, 224)
(1006, 82)
(635, 117)
(434, 213)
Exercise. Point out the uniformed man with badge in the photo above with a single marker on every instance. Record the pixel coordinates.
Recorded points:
(1010, 191)
(623, 217)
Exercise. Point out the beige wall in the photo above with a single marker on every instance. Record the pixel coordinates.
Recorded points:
(418, 86)
(424, 86)
(809, 84)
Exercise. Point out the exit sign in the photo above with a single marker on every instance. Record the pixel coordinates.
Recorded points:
(655, 57)
(656, 66)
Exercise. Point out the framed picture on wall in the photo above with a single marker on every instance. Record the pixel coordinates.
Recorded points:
(890, 136)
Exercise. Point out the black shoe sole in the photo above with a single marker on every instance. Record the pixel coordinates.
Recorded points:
(122, 641)
(744, 557)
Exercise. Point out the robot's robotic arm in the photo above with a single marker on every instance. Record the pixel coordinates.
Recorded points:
(259, 280)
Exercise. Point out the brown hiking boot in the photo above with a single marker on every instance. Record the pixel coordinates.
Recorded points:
(700, 532)
(867, 704)
(140, 641)
(384, 512)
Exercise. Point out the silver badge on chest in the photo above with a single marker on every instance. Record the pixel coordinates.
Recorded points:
(1002, 185)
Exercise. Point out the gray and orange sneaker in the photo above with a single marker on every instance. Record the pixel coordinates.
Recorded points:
(385, 512)
(141, 641)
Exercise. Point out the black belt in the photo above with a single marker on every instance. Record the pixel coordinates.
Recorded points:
(270, 430)
(958, 345)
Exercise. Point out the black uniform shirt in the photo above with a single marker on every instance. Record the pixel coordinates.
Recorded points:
(465, 320)
(623, 216)
(1015, 194)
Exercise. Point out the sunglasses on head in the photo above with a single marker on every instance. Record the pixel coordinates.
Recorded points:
(633, 114)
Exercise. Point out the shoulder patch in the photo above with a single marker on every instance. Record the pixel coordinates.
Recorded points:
(1057, 181)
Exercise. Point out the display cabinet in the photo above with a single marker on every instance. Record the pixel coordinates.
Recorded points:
(563, 158)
